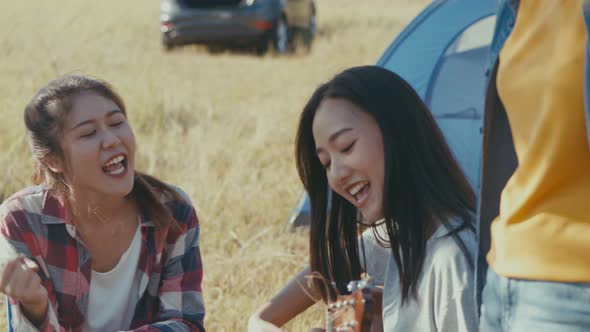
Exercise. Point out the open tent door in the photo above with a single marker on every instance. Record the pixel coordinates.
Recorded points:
(456, 95)
(443, 54)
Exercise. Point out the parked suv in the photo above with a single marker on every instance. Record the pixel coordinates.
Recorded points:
(224, 23)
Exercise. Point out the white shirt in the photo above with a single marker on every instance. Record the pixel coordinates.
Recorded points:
(445, 289)
(114, 294)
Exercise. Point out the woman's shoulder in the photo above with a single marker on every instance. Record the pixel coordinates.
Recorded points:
(30, 199)
(25, 211)
(179, 203)
(453, 250)
(172, 194)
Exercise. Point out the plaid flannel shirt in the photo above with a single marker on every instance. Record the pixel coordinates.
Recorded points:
(36, 224)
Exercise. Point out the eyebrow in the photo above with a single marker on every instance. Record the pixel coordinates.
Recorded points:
(109, 114)
(333, 137)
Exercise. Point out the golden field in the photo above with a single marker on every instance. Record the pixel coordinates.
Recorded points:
(220, 126)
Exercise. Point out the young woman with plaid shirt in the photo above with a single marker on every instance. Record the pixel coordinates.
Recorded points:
(96, 245)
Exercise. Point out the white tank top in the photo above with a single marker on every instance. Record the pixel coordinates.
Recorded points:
(114, 294)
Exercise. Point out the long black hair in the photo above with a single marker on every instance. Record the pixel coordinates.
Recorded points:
(423, 183)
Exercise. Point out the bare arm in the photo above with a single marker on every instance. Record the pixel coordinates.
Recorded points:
(289, 302)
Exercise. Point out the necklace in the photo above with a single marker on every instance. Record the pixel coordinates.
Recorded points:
(375, 224)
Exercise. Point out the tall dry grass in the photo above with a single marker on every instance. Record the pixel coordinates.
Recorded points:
(221, 127)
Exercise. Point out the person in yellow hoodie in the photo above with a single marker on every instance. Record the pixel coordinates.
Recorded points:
(536, 170)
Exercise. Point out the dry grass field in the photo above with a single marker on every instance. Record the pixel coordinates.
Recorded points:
(219, 126)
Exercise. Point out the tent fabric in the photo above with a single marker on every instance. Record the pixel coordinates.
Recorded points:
(443, 54)
(416, 52)
(458, 108)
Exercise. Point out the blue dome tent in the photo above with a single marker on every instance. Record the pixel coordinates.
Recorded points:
(443, 54)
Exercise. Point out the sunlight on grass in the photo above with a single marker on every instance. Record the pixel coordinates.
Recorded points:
(221, 127)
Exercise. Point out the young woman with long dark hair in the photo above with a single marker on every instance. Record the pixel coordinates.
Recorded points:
(367, 136)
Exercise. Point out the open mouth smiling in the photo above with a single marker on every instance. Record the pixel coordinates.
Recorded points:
(117, 165)
(360, 192)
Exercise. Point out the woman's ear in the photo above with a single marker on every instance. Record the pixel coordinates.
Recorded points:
(53, 163)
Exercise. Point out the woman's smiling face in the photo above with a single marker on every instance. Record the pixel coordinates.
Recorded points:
(98, 146)
(350, 146)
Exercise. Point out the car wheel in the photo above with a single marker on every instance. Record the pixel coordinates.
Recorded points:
(261, 47)
(281, 38)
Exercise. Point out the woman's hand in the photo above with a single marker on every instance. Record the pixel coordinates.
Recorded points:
(20, 281)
